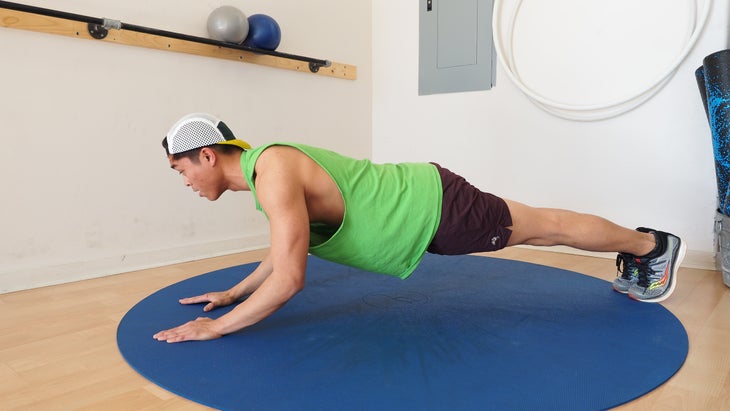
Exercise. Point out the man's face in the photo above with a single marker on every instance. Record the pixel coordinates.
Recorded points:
(203, 177)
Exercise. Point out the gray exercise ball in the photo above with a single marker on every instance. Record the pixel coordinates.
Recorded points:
(227, 23)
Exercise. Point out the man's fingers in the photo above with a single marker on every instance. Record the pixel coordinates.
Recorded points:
(163, 336)
(174, 334)
(171, 336)
(193, 330)
(195, 300)
(173, 339)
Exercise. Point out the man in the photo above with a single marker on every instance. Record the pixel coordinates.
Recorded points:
(381, 218)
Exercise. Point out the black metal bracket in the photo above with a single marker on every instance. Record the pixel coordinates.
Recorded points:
(315, 65)
(97, 31)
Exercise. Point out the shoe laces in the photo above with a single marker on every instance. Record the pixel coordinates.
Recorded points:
(624, 263)
(644, 268)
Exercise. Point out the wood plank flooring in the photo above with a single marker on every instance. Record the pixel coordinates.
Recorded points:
(58, 344)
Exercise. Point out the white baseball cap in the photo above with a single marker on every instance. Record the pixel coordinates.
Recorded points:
(200, 130)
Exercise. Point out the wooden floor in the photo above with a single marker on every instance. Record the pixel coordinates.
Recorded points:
(58, 344)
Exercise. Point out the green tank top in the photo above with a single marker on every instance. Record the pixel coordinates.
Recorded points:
(392, 211)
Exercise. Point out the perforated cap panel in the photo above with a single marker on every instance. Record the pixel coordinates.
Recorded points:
(194, 131)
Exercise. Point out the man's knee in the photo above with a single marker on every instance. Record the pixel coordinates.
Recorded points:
(539, 226)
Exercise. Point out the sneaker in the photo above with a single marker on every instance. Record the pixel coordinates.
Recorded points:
(627, 273)
(658, 270)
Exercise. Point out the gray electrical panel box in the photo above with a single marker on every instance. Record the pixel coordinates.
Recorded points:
(456, 51)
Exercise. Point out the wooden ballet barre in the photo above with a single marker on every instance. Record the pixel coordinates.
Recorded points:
(25, 17)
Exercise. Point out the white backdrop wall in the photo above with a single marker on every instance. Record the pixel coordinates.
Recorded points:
(651, 167)
(87, 189)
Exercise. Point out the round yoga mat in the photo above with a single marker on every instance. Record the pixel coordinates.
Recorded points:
(462, 332)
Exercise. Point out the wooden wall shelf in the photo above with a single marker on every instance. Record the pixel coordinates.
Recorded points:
(24, 17)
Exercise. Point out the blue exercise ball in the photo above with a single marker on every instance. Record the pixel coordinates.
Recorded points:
(227, 23)
(263, 32)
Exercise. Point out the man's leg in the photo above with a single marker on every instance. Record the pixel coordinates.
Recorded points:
(549, 226)
(650, 258)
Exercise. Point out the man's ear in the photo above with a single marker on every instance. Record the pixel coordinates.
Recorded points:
(208, 156)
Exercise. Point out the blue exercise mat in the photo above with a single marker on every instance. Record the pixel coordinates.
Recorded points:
(463, 332)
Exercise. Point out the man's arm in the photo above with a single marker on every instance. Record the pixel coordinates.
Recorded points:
(254, 280)
(281, 194)
(247, 286)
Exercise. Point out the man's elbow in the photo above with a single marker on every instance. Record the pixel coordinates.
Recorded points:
(294, 285)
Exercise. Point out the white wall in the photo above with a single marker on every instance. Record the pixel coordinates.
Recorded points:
(87, 190)
(651, 167)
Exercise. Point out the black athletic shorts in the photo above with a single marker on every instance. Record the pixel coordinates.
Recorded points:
(471, 220)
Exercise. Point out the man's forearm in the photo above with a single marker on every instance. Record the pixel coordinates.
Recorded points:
(254, 280)
(271, 295)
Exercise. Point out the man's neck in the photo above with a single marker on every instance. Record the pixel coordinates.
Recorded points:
(233, 173)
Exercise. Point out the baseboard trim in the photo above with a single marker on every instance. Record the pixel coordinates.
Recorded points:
(42, 276)
(702, 260)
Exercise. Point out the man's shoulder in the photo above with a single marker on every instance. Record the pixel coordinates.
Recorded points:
(286, 162)
(277, 155)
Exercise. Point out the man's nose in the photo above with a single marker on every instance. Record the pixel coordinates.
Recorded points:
(186, 181)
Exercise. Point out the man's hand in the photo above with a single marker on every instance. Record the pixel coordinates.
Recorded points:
(201, 329)
(214, 300)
